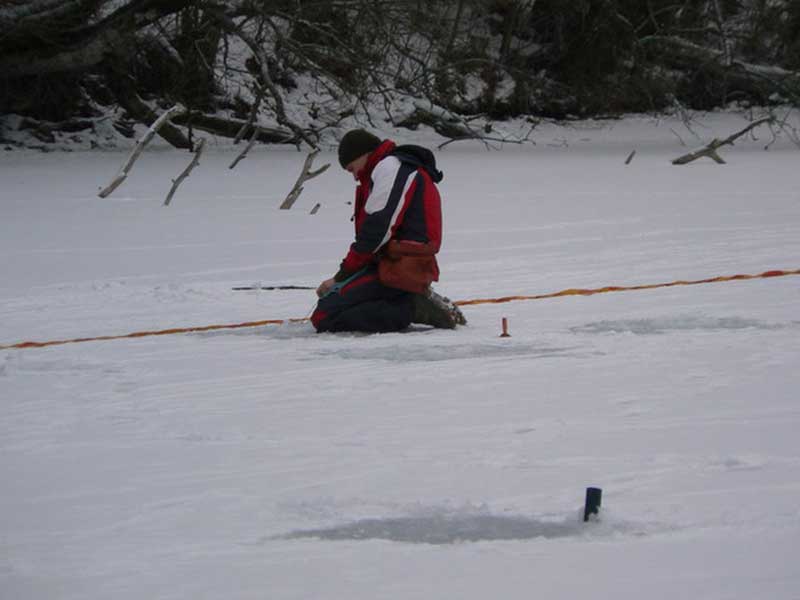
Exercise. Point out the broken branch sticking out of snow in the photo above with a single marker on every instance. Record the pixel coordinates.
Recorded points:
(137, 150)
(305, 175)
(185, 173)
(247, 148)
(711, 148)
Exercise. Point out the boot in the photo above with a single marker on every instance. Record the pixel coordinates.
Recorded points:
(432, 309)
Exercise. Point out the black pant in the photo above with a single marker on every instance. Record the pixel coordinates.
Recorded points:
(363, 303)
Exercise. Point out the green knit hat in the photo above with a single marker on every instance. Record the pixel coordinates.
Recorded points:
(356, 143)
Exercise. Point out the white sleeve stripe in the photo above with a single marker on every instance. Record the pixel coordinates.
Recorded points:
(383, 178)
(398, 209)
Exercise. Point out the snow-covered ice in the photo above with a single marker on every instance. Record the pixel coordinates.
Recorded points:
(272, 462)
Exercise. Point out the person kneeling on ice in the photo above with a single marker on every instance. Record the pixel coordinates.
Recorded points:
(383, 284)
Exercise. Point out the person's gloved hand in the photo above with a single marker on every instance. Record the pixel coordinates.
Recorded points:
(325, 287)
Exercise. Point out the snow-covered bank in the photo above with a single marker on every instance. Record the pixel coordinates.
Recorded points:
(274, 462)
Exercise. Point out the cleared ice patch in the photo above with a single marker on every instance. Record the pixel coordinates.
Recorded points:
(738, 463)
(284, 331)
(442, 352)
(447, 528)
(17, 363)
(661, 325)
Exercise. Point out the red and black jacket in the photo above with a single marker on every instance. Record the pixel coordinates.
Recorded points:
(396, 199)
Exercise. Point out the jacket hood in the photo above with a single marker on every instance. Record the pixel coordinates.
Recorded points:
(419, 156)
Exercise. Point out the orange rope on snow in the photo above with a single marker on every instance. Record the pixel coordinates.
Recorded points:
(567, 292)
(139, 334)
(614, 288)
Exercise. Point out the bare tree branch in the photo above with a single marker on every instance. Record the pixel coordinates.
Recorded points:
(305, 175)
(251, 117)
(261, 58)
(137, 150)
(187, 171)
(243, 153)
(710, 150)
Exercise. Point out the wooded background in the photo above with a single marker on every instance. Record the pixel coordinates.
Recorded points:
(287, 71)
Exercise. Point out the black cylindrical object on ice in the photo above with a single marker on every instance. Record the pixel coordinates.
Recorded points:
(594, 498)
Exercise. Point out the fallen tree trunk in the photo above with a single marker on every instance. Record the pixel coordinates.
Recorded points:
(11, 14)
(44, 130)
(449, 125)
(231, 127)
(439, 119)
(88, 46)
(128, 99)
(759, 80)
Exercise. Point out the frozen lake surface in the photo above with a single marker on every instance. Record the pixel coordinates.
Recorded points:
(272, 462)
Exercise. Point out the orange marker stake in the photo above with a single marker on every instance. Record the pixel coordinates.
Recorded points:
(505, 328)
